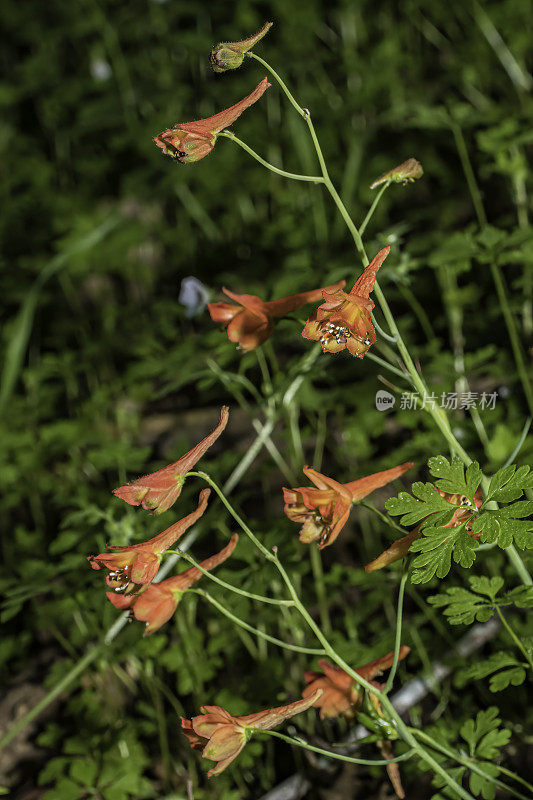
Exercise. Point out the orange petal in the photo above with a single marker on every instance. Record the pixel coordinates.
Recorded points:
(322, 481)
(155, 606)
(196, 742)
(120, 601)
(283, 306)
(312, 329)
(222, 312)
(144, 568)
(227, 117)
(395, 552)
(344, 512)
(338, 676)
(365, 283)
(211, 717)
(249, 301)
(362, 487)
(249, 330)
(265, 720)
(370, 670)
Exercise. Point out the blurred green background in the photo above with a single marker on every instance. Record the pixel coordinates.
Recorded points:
(104, 377)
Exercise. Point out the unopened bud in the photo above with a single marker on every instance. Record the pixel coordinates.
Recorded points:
(230, 55)
(407, 172)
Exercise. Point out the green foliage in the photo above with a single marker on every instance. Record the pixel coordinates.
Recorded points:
(454, 479)
(485, 739)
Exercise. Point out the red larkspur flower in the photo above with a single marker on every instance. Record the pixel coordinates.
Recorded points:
(221, 737)
(249, 323)
(324, 510)
(191, 141)
(158, 602)
(341, 694)
(343, 321)
(133, 566)
(159, 490)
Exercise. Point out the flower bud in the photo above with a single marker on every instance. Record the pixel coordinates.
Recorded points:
(230, 55)
(404, 173)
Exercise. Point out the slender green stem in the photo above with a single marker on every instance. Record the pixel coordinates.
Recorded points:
(352, 760)
(384, 363)
(370, 213)
(242, 624)
(284, 174)
(523, 437)
(398, 640)
(205, 477)
(418, 734)
(282, 84)
(513, 333)
(260, 598)
(318, 574)
(515, 777)
(265, 372)
(391, 339)
(275, 453)
(514, 637)
(466, 164)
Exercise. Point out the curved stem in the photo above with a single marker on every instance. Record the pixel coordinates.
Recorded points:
(391, 339)
(242, 624)
(260, 598)
(397, 643)
(205, 477)
(282, 84)
(514, 637)
(362, 226)
(515, 777)
(318, 574)
(523, 437)
(292, 175)
(352, 760)
(383, 363)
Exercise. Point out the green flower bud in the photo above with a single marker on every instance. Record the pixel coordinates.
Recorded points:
(230, 55)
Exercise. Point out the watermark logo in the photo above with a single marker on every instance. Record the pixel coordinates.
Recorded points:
(451, 401)
(384, 400)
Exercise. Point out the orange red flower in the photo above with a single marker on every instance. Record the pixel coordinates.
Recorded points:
(248, 320)
(159, 490)
(323, 511)
(158, 602)
(230, 55)
(400, 547)
(191, 141)
(221, 737)
(341, 694)
(133, 566)
(343, 321)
